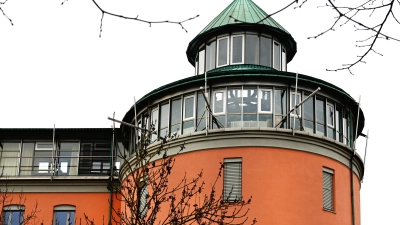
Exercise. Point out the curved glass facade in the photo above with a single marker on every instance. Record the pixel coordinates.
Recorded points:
(241, 48)
(248, 106)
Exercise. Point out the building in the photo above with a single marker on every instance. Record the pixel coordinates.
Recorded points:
(299, 169)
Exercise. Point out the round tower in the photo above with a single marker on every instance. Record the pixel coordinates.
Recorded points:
(285, 139)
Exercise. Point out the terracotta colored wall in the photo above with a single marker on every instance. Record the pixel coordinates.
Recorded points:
(95, 205)
(286, 185)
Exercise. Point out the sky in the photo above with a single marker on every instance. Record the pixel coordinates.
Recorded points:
(55, 70)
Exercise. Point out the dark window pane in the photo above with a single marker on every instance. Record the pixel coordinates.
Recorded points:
(280, 102)
(222, 52)
(251, 49)
(309, 126)
(277, 56)
(320, 129)
(220, 119)
(210, 56)
(219, 102)
(189, 104)
(237, 49)
(250, 100)
(234, 101)
(176, 112)
(265, 120)
(266, 101)
(320, 111)
(234, 121)
(201, 106)
(309, 109)
(164, 116)
(265, 51)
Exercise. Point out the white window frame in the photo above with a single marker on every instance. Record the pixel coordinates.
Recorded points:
(273, 54)
(184, 108)
(284, 59)
(204, 62)
(293, 114)
(333, 115)
(12, 208)
(227, 51)
(144, 190)
(259, 100)
(224, 102)
(64, 208)
(231, 49)
(38, 143)
(325, 173)
(226, 190)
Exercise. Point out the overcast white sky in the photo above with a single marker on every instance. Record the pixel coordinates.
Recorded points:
(54, 69)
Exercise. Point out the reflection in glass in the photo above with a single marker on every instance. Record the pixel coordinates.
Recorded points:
(175, 116)
(234, 101)
(154, 121)
(266, 101)
(309, 109)
(223, 51)
(201, 62)
(320, 111)
(265, 51)
(250, 100)
(251, 56)
(283, 59)
(188, 127)
(68, 160)
(265, 120)
(234, 121)
(277, 56)
(9, 155)
(330, 114)
(189, 106)
(210, 56)
(292, 104)
(220, 119)
(237, 49)
(309, 126)
(219, 102)
(320, 129)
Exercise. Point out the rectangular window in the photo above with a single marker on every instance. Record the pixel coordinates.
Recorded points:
(233, 179)
(94, 158)
(277, 56)
(143, 192)
(237, 49)
(283, 59)
(9, 158)
(219, 102)
(252, 52)
(265, 101)
(294, 102)
(67, 163)
(265, 51)
(339, 124)
(164, 120)
(308, 108)
(210, 56)
(188, 114)
(280, 107)
(13, 215)
(250, 107)
(43, 162)
(222, 52)
(320, 108)
(64, 215)
(327, 189)
(154, 123)
(201, 62)
(234, 107)
(176, 113)
(201, 112)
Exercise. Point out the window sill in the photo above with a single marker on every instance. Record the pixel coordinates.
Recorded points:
(328, 210)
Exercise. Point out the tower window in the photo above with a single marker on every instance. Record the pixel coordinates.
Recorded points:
(222, 52)
(327, 188)
(232, 179)
(237, 49)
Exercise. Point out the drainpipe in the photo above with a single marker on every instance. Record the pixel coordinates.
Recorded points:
(352, 189)
(111, 174)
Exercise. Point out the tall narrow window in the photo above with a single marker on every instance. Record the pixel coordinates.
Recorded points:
(345, 127)
(219, 108)
(327, 189)
(67, 162)
(201, 62)
(265, 51)
(164, 120)
(251, 50)
(188, 114)
(237, 49)
(222, 53)
(154, 124)
(13, 215)
(265, 108)
(143, 192)
(176, 116)
(43, 162)
(234, 107)
(210, 56)
(250, 103)
(9, 158)
(64, 215)
(339, 124)
(330, 120)
(320, 105)
(233, 179)
(28, 149)
(201, 112)
(95, 158)
(308, 108)
(280, 107)
(296, 114)
(283, 59)
(277, 56)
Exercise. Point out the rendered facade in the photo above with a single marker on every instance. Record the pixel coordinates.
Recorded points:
(299, 166)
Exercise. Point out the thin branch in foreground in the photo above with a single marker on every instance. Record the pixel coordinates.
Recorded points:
(3, 3)
(180, 23)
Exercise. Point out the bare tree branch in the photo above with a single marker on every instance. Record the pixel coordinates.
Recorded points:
(180, 23)
(2, 3)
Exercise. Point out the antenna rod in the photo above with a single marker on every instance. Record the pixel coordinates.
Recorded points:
(365, 154)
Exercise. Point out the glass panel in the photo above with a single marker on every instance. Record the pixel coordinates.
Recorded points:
(265, 51)
(188, 127)
(278, 120)
(339, 125)
(345, 128)
(330, 133)
(221, 120)
(175, 129)
(308, 126)
(265, 120)
(164, 132)
(292, 104)
(14, 217)
(201, 61)
(309, 109)
(201, 124)
(9, 155)
(94, 158)
(189, 106)
(266, 101)
(234, 101)
(250, 100)
(68, 159)
(251, 49)
(48, 146)
(219, 102)
(164, 116)
(234, 121)
(27, 158)
(154, 122)
(283, 59)
(280, 102)
(176, 112)
(277, 56)
(42, 163)
(297, 124)
(237, 49)
(320, 129)
(201, 106)
(210, 56)
(329, 114)
(64, 217)
(320, 111)
(223, 51)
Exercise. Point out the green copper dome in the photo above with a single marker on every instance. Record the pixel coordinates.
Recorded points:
(242, 11)
(242, 16)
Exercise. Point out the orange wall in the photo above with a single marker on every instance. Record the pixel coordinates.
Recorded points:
(94, 205)
(286, 185)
